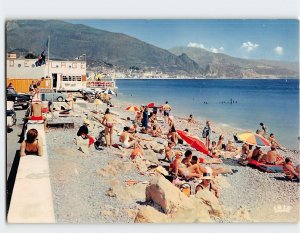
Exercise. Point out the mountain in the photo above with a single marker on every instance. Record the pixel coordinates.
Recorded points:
(122, 52)
(68, 41)
(222, 65)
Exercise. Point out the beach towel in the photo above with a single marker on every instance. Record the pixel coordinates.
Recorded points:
(266, 167)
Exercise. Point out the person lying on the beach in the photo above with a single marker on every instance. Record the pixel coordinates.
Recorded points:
(273, 158)
(36, 113)
(207, 183)
(128, 140)
(204, 169)
(31, 146)
(136, 152)
(178, 168)
(273, 141)
(191, 119)
(195, 160)
(291, 172)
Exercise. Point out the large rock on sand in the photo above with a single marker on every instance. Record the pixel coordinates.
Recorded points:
(166, 195)
(211, 203)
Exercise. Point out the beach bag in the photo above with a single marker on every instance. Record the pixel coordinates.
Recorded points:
(186, 189)
(204, 132)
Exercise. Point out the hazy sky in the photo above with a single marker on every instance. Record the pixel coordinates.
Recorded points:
(254, 39)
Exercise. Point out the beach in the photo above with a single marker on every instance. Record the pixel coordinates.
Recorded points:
(92, 188)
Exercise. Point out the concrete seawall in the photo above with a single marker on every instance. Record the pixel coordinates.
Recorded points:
(32, 200)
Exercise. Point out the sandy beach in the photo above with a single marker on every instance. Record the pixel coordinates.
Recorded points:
(93, 188)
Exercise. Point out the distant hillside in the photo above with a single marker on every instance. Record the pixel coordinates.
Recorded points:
(120, 51)
(69, 41)
(221, 65)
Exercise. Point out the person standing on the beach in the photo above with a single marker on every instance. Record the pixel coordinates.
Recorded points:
(108, 122)
(167, 108)
(206, 133)
(145, 118)
(264, 129)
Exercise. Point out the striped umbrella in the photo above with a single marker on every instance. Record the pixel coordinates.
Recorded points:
(253, 139)
(132, 108)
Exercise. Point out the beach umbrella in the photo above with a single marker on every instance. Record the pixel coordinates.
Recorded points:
(193, 141)
(110, 92)
(253, 139)
(150, 105)
(132, 108)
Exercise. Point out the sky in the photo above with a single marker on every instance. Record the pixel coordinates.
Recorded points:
(251, 39)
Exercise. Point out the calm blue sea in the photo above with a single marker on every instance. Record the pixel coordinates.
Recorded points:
(273, 102)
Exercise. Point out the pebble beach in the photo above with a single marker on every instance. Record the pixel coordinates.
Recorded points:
(92, 188)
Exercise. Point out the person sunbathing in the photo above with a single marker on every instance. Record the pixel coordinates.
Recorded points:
(83, 132)
(138, 116)
(191, 119)
(214, 171)
(273, 141)
(231, 147)
(169, 154)
(178, 168)
(257, 154)
(207, 183)
(31, 145)
(36, 113)
(273, 158)
(220, 144)
(128, 140)
(195, 160)
(289, 170)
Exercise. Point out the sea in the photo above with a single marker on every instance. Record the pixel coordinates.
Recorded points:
(238, 103)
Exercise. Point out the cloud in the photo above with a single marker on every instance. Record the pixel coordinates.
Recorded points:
(212, 49)
(278, 50)
(195, 45)
(249, 46)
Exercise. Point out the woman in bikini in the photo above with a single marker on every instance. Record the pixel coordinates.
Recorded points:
(108, 122)
(31, 145)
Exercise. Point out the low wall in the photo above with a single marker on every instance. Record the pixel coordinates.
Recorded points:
(31, 200)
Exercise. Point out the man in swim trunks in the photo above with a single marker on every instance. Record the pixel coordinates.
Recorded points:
(273, 158)
(36, 113)
(166, 108)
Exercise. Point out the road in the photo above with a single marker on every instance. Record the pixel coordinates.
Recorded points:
(12, 139)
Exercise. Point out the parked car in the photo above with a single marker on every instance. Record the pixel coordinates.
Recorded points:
(57, 97)
(19, 99)
(11, 118)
